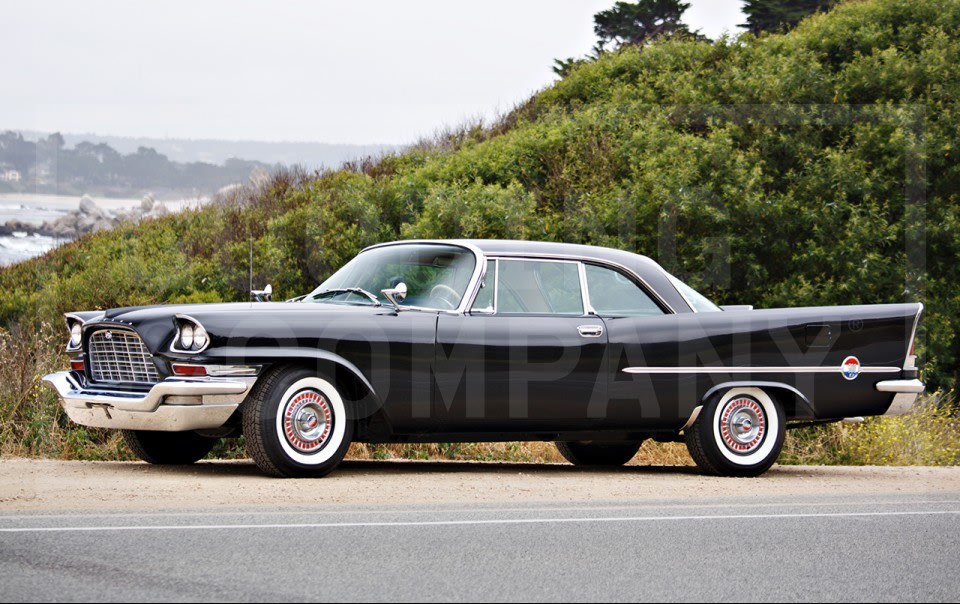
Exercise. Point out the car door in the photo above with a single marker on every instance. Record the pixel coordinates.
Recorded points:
(526, 357)
(640, 333)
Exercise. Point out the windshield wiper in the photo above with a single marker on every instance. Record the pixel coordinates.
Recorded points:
(349, 290)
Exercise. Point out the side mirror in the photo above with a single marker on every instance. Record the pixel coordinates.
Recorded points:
(396, 295)
(262, 295)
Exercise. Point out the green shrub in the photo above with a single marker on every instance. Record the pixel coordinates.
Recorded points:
(815, 167)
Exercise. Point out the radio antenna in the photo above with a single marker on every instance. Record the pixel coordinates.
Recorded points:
(250, 291)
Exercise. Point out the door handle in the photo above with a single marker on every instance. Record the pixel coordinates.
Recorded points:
(590, 331)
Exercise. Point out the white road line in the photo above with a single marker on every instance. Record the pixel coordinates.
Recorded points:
(497, 510)
(503, 521)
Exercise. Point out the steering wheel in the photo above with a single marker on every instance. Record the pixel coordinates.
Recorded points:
(445, 294)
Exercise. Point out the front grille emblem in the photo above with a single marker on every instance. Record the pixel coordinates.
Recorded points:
(108, 336)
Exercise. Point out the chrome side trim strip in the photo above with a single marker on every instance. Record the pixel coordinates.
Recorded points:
(732, 370)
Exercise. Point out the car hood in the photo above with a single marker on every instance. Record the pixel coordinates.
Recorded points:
(133, 314)
(157, 324)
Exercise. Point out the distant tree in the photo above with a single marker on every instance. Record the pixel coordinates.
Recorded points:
(779, 15)
(636, 23)
(17, 152)
(631, 23)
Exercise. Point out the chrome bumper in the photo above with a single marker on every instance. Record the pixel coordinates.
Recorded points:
(173, 405)
(906, 393)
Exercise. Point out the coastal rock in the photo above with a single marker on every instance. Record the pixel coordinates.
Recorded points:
(90, 208)
(147, 203)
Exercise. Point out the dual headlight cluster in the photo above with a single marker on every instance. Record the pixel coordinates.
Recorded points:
(191, 336)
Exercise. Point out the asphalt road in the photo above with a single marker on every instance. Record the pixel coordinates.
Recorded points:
(856, 548)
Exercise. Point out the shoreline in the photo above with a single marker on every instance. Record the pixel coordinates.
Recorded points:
(65, 203)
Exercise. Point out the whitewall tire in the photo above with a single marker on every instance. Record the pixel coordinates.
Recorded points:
(739, 433)
(296, 424)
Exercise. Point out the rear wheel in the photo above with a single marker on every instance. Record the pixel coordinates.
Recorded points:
(737, 434)
(596, 453)
(168, 448)
(295, 424)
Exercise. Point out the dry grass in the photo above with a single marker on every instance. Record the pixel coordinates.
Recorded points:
(928, 436)
(650, 454)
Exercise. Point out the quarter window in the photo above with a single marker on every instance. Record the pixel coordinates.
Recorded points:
(612, 294)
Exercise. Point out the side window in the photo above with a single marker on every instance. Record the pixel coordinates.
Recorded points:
(487, 295)
(612, 294)
(539, 287)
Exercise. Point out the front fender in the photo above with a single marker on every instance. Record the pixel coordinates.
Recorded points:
(278, 355)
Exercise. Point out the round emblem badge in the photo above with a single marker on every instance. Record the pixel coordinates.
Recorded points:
(850, 368)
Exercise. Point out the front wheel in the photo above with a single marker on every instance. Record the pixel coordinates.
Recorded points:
(581, 453)
(295, 424)
(168, 448)
(737, 434)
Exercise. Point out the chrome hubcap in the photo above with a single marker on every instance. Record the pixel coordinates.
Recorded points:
(742, 425)
(307, 421)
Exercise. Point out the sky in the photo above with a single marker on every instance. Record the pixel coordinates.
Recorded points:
(357, 72)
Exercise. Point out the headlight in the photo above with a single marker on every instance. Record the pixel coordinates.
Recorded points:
(199, 337)
(191, 337)
(186, 336)
(76, 335)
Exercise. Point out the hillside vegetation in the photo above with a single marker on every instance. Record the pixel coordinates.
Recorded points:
(815, 167)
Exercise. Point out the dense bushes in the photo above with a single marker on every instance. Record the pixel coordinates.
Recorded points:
(815, 167)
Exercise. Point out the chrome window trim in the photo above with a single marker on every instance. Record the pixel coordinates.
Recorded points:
(600, 262)
(588, 308)
(176, 337)
(496, 289)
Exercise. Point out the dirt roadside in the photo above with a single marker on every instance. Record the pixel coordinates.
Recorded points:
(49, 486)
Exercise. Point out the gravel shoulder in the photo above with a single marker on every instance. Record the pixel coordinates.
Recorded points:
(55, 486)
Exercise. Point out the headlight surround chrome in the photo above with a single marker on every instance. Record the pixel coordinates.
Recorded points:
(191, 336)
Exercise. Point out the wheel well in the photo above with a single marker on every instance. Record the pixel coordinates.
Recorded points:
(358, 397)
(795, 404)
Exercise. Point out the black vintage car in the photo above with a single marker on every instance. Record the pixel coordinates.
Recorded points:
(445, 341)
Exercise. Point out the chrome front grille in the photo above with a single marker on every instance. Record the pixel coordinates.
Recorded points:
(120, 356)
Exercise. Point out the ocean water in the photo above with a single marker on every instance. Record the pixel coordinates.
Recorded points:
(23, 246)
(38, 209)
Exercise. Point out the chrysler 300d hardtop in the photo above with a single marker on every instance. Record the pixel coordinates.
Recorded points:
(444, 341)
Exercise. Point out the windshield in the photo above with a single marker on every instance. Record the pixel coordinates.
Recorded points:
(698, 301)
(436, 276)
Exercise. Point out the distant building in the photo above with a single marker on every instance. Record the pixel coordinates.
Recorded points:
(10, 175)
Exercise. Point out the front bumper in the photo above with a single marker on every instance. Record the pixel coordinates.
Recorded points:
(905, 394)
(173, 405)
